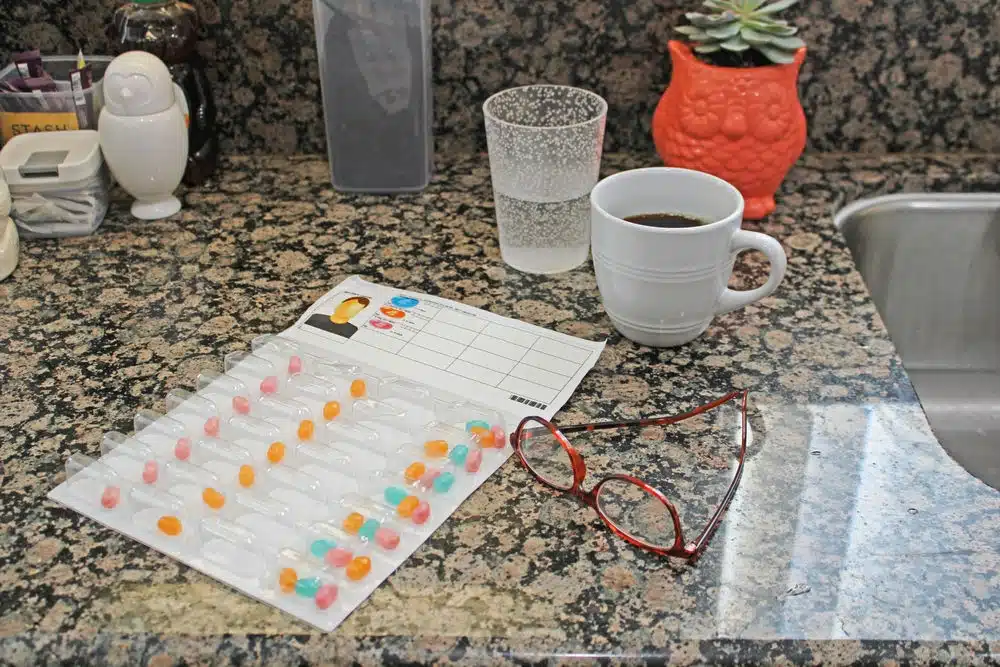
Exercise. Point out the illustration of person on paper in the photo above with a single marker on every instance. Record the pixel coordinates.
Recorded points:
(339, 322)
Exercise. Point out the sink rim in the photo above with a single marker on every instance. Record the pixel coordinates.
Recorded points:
(923, 200)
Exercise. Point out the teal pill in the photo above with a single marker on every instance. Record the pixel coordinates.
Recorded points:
(394, 495)
(320, 547)
(307, 588)
(443, 482)
(368, 529)
(476, 422)
(458, 454)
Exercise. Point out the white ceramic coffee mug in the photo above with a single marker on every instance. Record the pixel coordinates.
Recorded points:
(662, 286)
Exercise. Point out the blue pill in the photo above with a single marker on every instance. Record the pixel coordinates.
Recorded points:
(394, 495)
(443, 482)
(458, 454)
(307, 588)
(319, 547)
(404, 301)
(368, 529)
(476, 422)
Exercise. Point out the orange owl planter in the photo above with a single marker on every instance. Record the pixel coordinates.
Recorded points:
(742, 124)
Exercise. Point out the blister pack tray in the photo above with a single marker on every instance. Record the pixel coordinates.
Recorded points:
(301, 482)
(298, 475)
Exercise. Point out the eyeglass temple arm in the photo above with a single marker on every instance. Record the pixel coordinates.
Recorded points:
(653, 421)
(713, 523)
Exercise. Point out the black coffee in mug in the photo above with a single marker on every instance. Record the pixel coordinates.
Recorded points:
(666, 220)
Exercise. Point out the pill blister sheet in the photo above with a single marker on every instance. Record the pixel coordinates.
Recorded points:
(307, 469)
(300, 481)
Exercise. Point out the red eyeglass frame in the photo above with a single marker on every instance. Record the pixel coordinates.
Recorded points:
(690, 551)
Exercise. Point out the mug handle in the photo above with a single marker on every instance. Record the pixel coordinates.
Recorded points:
(744, 240)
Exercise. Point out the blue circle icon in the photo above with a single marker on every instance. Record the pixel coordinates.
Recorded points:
(404, 301)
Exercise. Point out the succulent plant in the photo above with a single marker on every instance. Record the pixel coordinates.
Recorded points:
(739, 26)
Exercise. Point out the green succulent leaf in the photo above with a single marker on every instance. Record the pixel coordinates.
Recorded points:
(771, 28)
(753, 38)
(751, 5)
(776, 55)
(777, 6)
(722, 5)
(725, 32)
(694, 34)
(707, 48)
(735, 44)
(710, 21)
(788, 43)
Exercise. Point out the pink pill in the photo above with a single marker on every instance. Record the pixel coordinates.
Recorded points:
(241, 404)
(294, 365)
(212, 426)
(269, 385)
(338, 557)
(474, 460)
(499, 436)
(427, 480)
(387, 538)
(326, 596)
(110, 497)
(421, 514)
(182, 450)
(150, 472)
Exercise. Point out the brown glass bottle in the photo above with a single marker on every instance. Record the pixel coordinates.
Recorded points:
(169, 30)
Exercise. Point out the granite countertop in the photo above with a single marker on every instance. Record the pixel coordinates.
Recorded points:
(853, 536)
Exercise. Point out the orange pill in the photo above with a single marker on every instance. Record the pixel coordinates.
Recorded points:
(436, 448)
(169, 525)
(306, 429)
(276, 452)
(487, 439)
(331, 410)
(478, 430)
(414, 471)
(353, 523)
(406, 506)
(358, 388)
(213, 498)
(247, 476)
(287, 580)
(358, 568)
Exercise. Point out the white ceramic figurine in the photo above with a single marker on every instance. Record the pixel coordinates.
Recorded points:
(143, 135)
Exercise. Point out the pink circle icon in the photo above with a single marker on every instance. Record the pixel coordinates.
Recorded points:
(381, 324)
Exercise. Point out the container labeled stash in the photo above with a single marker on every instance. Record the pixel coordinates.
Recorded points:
(72, 100)
(59, 184)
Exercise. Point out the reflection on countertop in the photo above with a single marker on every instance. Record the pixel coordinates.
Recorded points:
(853, 536)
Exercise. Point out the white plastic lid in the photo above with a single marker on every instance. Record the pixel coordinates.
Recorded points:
(51, 158)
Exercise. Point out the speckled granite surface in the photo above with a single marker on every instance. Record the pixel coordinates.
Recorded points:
(896, 75)
(853, 536)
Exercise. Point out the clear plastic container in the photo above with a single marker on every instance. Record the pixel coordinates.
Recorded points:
(45, 112)
(375, 72)
(59, 184)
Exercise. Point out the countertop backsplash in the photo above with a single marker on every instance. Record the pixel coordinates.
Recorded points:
(881, 75)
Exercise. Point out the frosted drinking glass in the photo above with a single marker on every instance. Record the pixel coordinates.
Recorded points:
(545, 154)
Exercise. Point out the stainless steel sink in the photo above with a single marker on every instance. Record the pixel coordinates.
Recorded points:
(932, 263)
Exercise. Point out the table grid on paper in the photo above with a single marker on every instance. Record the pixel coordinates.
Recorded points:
(528, 365)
